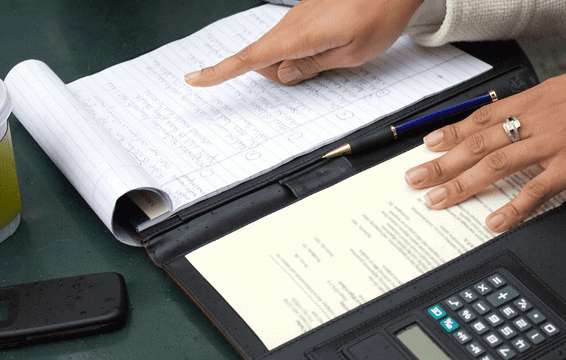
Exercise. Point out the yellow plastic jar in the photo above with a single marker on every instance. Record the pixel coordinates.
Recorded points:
(10, 202)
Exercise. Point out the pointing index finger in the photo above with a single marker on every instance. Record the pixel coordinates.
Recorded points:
(228, 68)
(271, 48)
(286, 41)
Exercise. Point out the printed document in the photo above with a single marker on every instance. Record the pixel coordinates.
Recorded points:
(333, 251)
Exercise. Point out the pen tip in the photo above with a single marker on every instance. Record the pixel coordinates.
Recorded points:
(341, 150)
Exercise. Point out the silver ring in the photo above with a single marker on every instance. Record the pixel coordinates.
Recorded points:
(511, 127)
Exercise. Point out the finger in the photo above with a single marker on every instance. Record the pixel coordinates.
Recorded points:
(254, 56)
(275, 46)
(487, 116)
(270, 72)
(273, 73)
(495, 166)
(462, 157)
(292, 72)
(535, 193)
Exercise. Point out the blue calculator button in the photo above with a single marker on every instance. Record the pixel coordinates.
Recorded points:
(449, 324)
(436, 312)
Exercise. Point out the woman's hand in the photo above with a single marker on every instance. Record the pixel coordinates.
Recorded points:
(314, 36)
(480, 152)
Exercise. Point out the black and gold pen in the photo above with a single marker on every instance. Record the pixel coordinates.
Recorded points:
(391, 133)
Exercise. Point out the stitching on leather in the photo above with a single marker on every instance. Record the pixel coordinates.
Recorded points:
(423, 104)
(236, 338)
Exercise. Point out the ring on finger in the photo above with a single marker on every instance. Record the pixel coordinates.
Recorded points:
(511, 127)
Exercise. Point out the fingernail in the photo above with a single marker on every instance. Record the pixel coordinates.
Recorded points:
(289, 74)
(434, 138)
(435, 196)
(496, 221)
(191, 75)
(416, 175)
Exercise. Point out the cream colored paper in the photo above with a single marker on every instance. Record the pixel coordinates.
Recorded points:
(337, 249)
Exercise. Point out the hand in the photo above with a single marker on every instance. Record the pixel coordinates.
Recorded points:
(314, 36)
(480, 153)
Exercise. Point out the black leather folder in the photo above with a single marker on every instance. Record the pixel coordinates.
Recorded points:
(530, 257)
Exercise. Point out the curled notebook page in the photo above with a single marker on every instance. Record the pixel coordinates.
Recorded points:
(92, 160)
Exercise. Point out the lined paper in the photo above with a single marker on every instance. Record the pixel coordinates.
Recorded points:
(154, 131)
(92, 160)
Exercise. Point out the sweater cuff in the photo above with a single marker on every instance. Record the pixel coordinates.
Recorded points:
(474, 20)
(428, 17)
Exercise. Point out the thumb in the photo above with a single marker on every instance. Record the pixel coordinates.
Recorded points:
(292, 72)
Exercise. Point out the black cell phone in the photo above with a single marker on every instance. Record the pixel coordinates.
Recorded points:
(62, 309)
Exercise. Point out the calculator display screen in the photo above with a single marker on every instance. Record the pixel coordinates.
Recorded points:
(420, 344)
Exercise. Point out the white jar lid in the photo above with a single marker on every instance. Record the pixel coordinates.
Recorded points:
(5, 108)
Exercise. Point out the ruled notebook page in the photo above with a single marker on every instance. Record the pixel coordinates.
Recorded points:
(197, 142)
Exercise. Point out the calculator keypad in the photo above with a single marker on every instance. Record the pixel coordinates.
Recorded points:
(492, 320)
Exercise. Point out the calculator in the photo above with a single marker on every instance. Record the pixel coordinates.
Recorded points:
(496, 309)
(505, 299)
(495, 317)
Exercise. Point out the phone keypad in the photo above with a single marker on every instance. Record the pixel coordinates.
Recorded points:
(492, 319)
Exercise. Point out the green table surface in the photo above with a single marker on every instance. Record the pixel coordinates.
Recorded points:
(59, 234)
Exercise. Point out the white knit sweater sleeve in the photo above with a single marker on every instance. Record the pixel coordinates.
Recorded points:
(474, 20)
